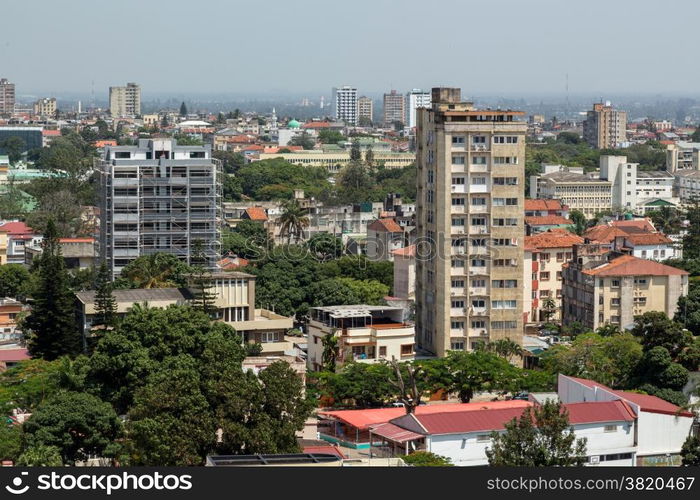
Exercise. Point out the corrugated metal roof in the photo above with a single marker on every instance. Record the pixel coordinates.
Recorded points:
(394, 433)
(138, 295)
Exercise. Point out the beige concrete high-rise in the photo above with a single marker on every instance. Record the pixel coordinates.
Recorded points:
(125, 101)
(470, 224)
(7, 97)
(394, 108)
(45, 107)
(365, 109)
(605, 127)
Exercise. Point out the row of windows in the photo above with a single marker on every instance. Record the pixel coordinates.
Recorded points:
(481, 303)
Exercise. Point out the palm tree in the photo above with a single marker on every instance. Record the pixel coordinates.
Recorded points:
(666, 219)
(549, 307)
(330, 351)
(151, 271)
(293, 221)
(506, 348)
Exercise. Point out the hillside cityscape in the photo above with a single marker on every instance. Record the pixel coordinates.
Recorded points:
(403, 275)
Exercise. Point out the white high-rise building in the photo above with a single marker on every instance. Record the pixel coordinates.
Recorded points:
(415, 99)
(345, 104)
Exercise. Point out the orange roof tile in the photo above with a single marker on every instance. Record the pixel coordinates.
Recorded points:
(554, 238)
(541, 204)
(316, 125)
(648, 239)
(627, 265)
(388, 225)
(603, 234)
(547, 220)
(409, 251)
(256, 213)
(640, 224)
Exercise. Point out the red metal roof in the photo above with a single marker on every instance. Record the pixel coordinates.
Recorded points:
(394, 433)
(628, 265)
(363, 419)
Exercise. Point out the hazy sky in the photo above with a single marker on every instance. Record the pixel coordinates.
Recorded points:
(308, 46)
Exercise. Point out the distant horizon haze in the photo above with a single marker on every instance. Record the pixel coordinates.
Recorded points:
(304, 48)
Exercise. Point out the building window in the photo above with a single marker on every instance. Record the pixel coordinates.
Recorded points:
(457, 325)
(610, 428)
(559, 278)
(457, 345)
(544, 276)
(382, 350)
(458, 160)
(615, 283)
(407, 350)
(458, 140)
(478, 181)
(483, 438)
(615, 302)
(478, 323)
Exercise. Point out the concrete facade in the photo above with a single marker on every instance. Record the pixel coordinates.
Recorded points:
(470, 211)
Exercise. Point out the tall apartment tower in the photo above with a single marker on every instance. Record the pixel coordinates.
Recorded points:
(7, 97)
(394, 108)
(415, 99)
(470, 227)
(159, 197)
(605, 127)
(365, 108)
(345, 104)
(125, 101)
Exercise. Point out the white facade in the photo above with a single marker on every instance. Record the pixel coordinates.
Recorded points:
(345, 104)
(415, 99)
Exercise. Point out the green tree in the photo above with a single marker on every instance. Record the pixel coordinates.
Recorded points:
(478, 371)
(10, 441)
(354, 183)
(690, 451)
(655, 329)
(370, 292)
(40, 456)
(658, 369)
(201, 280)
(304, 140)
(541, 437)
(78, 424)
(330, 353)
(325, 246)
(332, 292)
(293, 221)
(580, 224)
(688, 309)
(13, 146)
(506, 348)
(355, 152)
(51, 327)
(157, 270)
(183, 109)
(426, 459)
(369, 157)
(328, 136)
(549, 308)
(105, 303)
(14, 281)
(691, 241)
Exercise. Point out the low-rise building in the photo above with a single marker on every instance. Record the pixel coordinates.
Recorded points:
(334, 161)
(538, 223)
(19, 237)
(78, 253)
(383, 237)
(545, 255)
(10, 310)
(405, 272)
(544, 207)
(234, 304)
(682, 155)
(365, 333)
(601, 286)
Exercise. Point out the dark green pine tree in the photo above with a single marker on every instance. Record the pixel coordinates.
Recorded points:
(183, 109)
(355, 153)
(369, 157)
(200, 280)
(105, 303)
(51, 326)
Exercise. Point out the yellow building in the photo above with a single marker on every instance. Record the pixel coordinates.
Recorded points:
(605, 287)
(3, 247)
(336, 160)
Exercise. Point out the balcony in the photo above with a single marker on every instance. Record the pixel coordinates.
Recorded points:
(459, 169)
(458, 312)
(478, 209)
(478, 291)
(458, 209)
(478, 188)
(481, 250)
(479, 148)
(479, 311)
(459, 188)
(478, 230)
(478, 168)
(457, 271)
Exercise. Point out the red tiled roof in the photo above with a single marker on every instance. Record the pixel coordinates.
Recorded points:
(409, 251)
(256, 213)
(17, 228)
(276, 149)
(554, 238)
(641, 224)
(13, 355)
(52, 133)
(316, 125)
(628, 265)
(388, 225)
(230, 263)
(648, 239)
(603, 234)
(537, 205)
(363, 419)
(547, 220)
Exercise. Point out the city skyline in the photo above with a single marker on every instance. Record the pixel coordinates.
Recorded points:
(493, 63)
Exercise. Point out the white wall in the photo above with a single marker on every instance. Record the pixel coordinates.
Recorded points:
(660, 433)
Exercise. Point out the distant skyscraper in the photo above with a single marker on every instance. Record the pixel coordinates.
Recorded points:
(605, 127)
(394, 108)
(125, 101)
(365, 109)
(470, 220)
(345, 104)
(7, 97)
(415, 99)
(45, 107)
